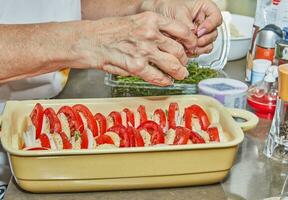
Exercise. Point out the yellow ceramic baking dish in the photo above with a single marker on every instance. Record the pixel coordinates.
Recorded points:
(125, 168)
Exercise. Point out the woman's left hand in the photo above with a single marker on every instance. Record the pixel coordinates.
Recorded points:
(202, 16)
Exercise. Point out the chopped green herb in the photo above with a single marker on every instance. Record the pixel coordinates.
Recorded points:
(196, 74)
(77, 135)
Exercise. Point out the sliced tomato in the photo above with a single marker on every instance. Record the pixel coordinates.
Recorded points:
(91, 123)
(123, 134)
(104, 139)
(131, 135)
(36, 148)
(84, 140)
(130, 119)
(162, 117)
(66, 143)
(213, 134)
(102, 122)
(44, 140)
(135, 137)
(37, 118)
(196, 138)
(172, 112)
(142, 112)
(55, 124)
(116, 117)
(74, 119)
(182, 135)
(198, 112)
(156, 132)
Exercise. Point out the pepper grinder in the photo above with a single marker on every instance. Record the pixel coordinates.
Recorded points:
(276, 146)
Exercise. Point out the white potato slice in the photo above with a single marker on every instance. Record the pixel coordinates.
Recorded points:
(91, 140)
(58, 141)
(76, 141)
(45, 125)
(170, 136)
(85, 124)
(146, 137)
(65, 125)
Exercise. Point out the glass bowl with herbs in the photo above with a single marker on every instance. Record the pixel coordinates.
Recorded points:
(135, 87)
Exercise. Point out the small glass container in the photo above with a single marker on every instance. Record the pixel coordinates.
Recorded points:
(277, 141)
(262, 96)
(281, 51)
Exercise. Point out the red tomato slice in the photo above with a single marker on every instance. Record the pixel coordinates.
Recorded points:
(104, 139)
(36, 148)
(55, 124)
(196, 138)
(143, 115)
(131, 135)
(157, 135)
(74, 119)
(37, 118)
(136, 139)
(130, 119)
(117, 119)
(162, 117)
(173, 108)
(182, 135)
(213, 134)
(91, 123)
(45, 142)
(198, 112)
(123, 134)
(66, 143)
(102, 122)
(84, 140)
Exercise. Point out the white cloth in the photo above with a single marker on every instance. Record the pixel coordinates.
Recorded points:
(44, 86)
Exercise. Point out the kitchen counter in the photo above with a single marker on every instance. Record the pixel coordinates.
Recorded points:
(252, 177)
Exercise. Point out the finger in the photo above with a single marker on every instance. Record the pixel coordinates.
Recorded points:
(204, 50)
(207, 39)
(212, 21)
(115, 70)
(170, 46)
(185, 18)
(179, 31)
(154, 76)
(169, 64)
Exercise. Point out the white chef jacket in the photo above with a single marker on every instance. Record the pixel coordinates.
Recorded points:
(43, 86)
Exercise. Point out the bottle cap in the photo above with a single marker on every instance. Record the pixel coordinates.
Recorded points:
(283, 82)
(261, 65)
(268, 36)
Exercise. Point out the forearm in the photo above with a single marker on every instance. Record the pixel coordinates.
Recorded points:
(28, 50)
(96, 9)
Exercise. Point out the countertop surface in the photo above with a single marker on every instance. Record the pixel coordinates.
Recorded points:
(252, 177)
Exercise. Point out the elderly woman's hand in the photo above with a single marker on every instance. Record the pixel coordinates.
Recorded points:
(202, 16)
(138, 45)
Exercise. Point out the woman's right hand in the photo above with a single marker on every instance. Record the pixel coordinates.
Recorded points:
(139, 45)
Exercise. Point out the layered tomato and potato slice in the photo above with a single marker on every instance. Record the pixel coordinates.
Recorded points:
(75, 127)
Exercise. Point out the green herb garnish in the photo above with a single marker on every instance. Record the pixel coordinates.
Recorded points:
(196, 74)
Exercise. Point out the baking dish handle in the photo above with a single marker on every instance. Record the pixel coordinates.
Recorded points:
(251, 120)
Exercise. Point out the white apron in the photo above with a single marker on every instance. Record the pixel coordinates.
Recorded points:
(43, 86)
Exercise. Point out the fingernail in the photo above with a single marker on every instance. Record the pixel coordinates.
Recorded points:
(201, 32)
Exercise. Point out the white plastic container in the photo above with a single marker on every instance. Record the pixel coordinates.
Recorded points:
(260, 67)
(231, 93)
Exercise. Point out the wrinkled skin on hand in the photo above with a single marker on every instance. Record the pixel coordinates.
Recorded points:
(202, 16)
(139, 45)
